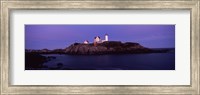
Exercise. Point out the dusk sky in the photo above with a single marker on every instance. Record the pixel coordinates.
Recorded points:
(61, 36)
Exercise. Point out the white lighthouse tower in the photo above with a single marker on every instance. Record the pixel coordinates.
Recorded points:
(106, 37)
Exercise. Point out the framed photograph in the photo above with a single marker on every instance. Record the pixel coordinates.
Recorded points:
(100, 47)
(118, 49)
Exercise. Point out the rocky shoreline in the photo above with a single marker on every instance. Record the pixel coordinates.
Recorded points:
(35, 60)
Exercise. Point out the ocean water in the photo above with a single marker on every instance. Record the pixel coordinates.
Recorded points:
(150, 61)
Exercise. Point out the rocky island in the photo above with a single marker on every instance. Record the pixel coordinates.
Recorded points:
(107, 47)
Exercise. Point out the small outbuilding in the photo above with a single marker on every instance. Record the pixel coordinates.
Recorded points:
(86, 42)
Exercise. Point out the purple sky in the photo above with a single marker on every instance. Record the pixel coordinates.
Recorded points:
(61, 36)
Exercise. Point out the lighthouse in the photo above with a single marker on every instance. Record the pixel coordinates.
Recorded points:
(106, 37)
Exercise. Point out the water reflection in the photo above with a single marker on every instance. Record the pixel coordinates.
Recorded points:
(153, 61)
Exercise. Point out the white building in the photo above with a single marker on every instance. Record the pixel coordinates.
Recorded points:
(97, 39)
(86, 42)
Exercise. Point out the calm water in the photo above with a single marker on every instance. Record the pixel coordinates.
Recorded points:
(151, 61)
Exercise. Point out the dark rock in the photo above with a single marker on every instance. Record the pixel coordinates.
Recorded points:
(34, 61)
